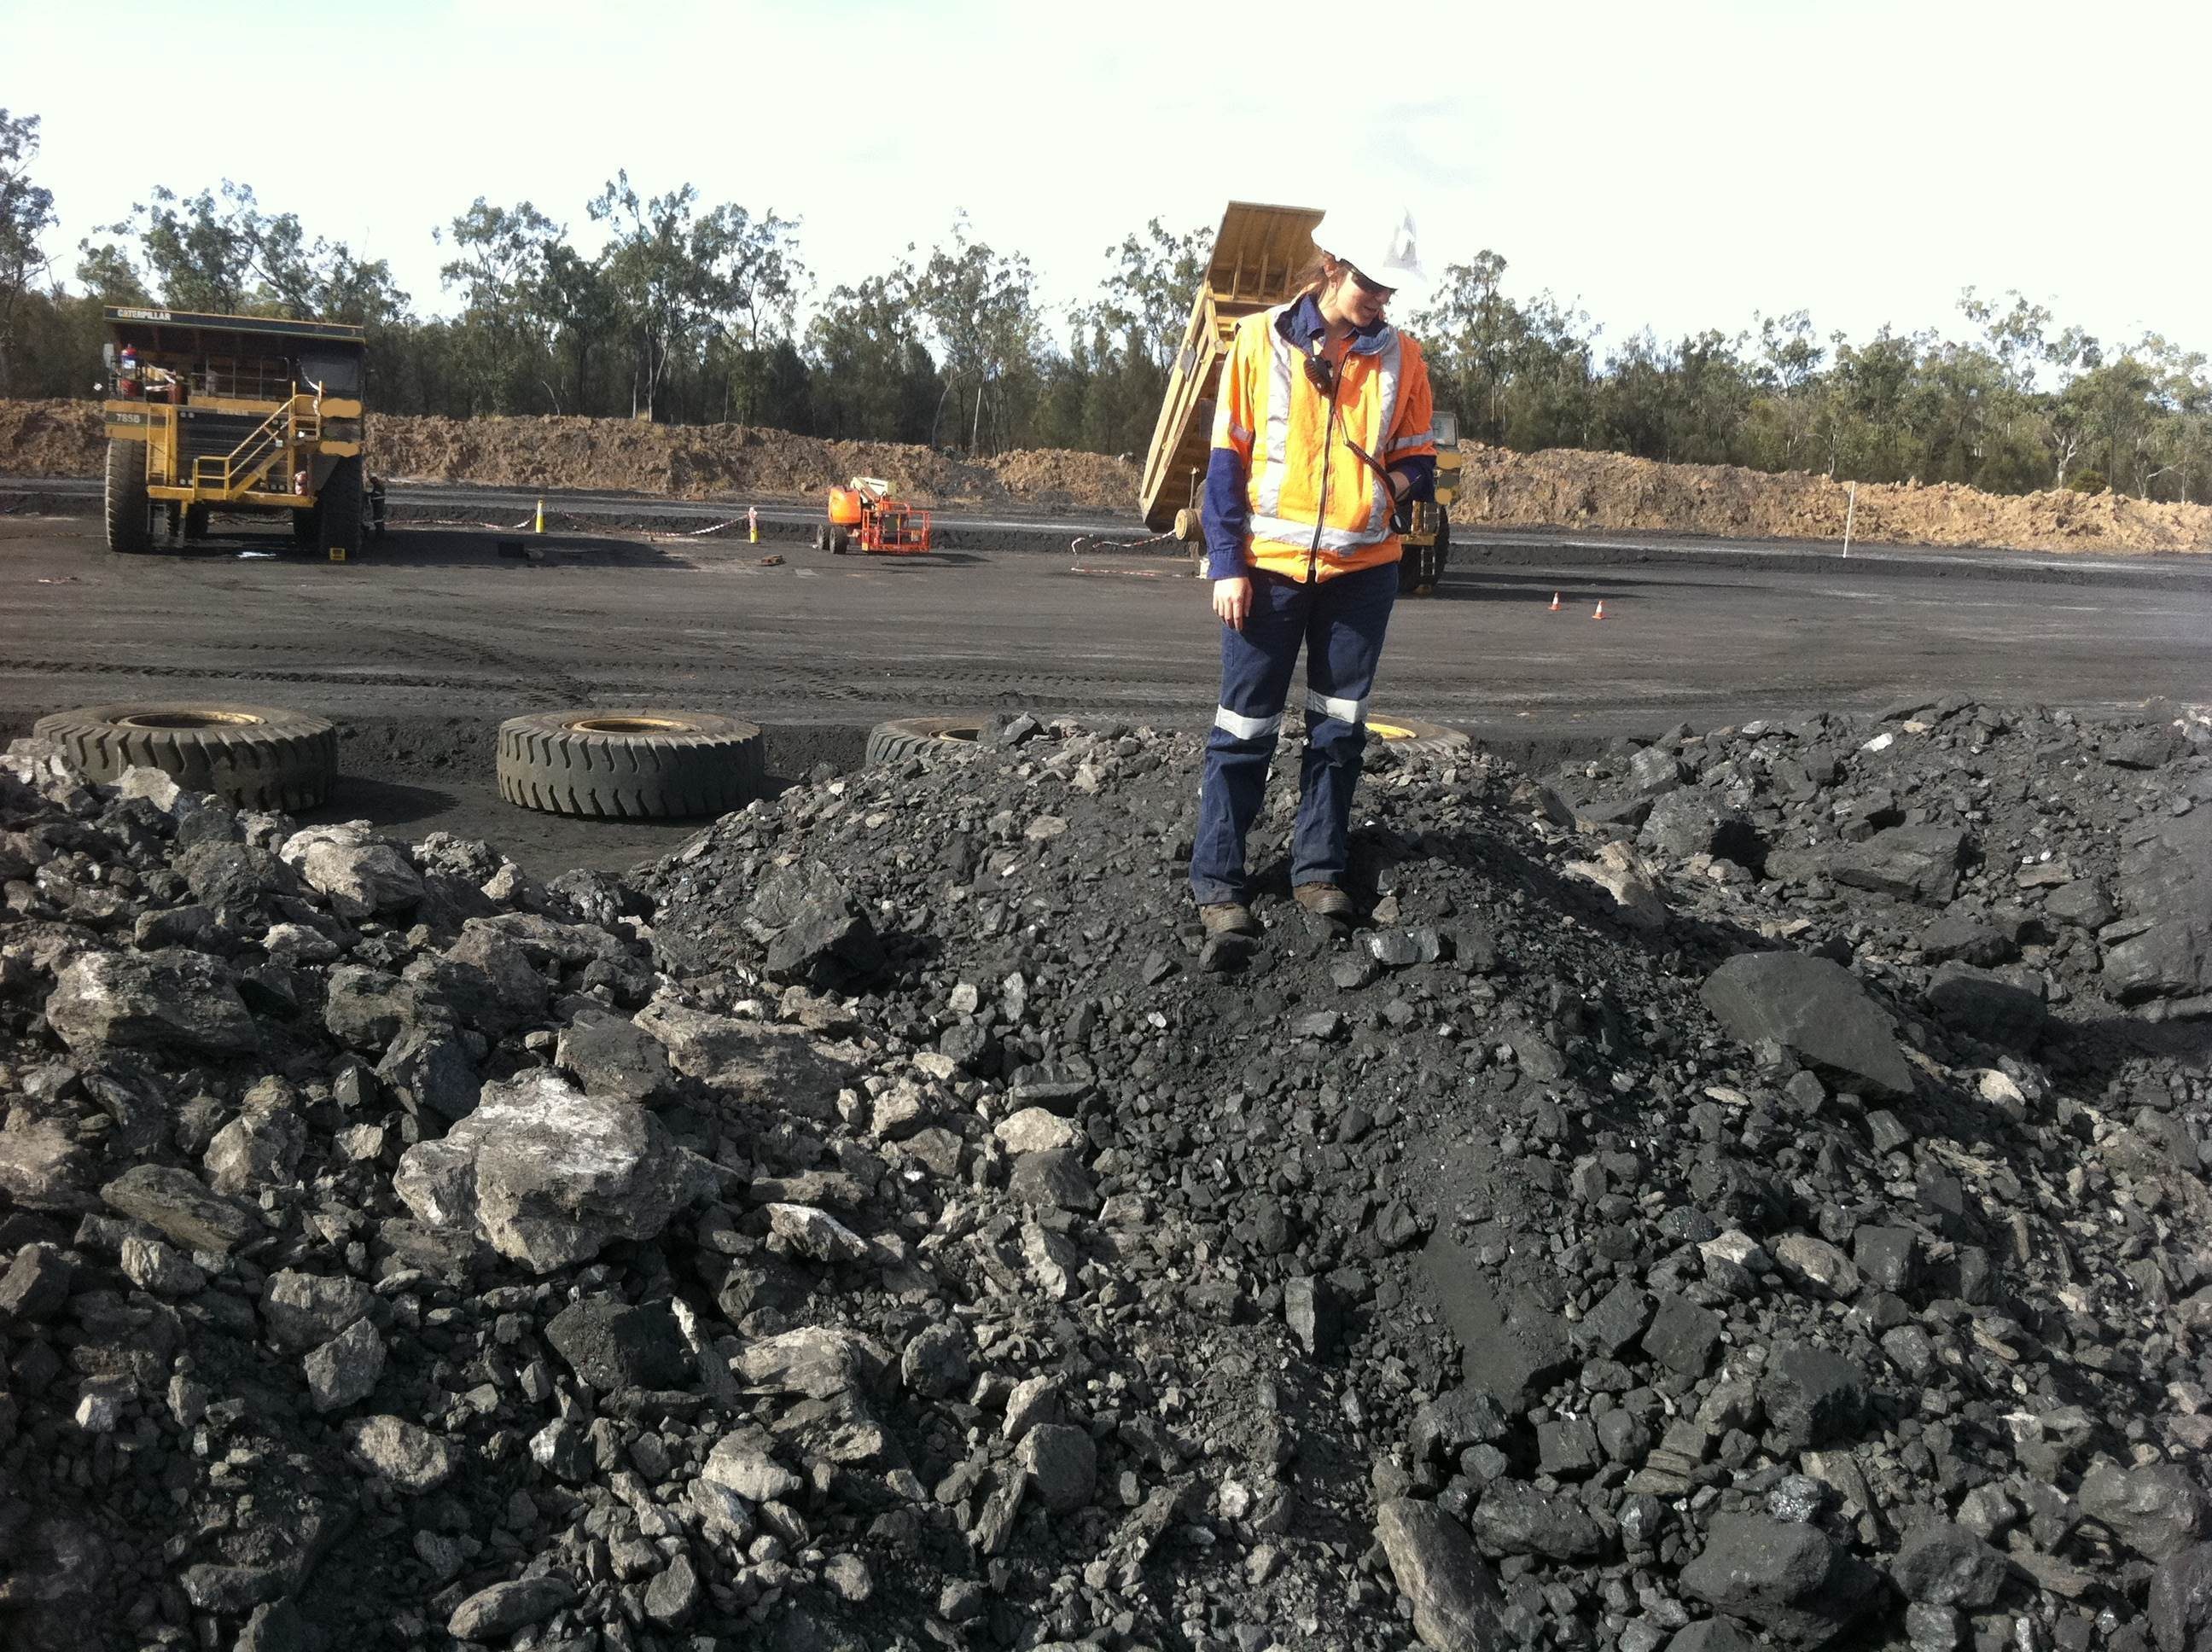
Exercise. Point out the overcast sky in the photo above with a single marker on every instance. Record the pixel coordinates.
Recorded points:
(1679, 165)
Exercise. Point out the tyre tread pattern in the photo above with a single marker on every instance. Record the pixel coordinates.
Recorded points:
(285, 761)
(891, 743)
(711, 768)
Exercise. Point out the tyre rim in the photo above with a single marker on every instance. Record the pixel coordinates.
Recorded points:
(619, 725)
(1390, 731)
(185, 719)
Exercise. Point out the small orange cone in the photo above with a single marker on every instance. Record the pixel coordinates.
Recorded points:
(1555, 602)
(1600, 609)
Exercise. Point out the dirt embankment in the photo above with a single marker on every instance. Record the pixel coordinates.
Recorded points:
(1562, 487)
(1567, 487)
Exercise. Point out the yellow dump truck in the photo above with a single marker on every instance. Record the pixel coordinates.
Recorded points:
(1257, 252)
(234, 413)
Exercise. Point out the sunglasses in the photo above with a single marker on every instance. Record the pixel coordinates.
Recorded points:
(1373, 289)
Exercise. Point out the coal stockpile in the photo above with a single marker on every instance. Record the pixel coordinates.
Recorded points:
(1747, 1188)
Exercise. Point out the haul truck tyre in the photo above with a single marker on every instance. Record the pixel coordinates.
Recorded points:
(339, 508)
(1414, 564)
(629, 765)
(130, 527)
(251, 756)
(918, 737)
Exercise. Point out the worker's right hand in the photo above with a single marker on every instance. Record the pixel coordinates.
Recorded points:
(1232, 601)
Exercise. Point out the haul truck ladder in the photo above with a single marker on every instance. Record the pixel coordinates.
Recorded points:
(227, 476)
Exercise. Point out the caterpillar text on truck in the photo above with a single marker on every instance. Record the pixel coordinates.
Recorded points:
(1257, 254)
(236, 413)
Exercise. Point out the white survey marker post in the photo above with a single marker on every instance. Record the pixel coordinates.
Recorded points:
(1850, 510)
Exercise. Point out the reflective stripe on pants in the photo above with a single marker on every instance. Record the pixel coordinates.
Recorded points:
(1339, 624)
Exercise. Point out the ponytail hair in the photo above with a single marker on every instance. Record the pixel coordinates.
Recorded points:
(1315, 275)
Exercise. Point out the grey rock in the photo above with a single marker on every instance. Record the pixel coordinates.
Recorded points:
(2180, 1607)
(2162, 880)
(182, 1208)
(744, 1462)
(35, 1285)
(815, 1360)
(1615, 1320)
(817, 934)
(2083, 903)
(547, 1174)
(1452, 1422)
(364, 1008)
(609, 1056)
(300, 1310)
(344, 1371)
(1912, 863)
(612, 1344)
(400, 1453)
(1986, 1006)
(428, 1068)
(673, 1595)
(1655, 769)
(2157, 1510)
(935, 1363)
(1062, 1466)
(1789, 1579)
(153, 1266)
(1814, 1007)
(1315, 1314)
(1457, 1606)
(770, 1065)
(170, 1000)
(1511, 1348)
(1683, 1336)
(1930, 1628)
(1516, 1518)
(496, 1612)
(1034, 1401)
(1712, 1634)
(258, 1148)
(1947, 1565)
(1053, 1181)
(1814, 1397)
(361, 876)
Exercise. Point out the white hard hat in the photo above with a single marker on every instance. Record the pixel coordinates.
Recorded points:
(1377, 242)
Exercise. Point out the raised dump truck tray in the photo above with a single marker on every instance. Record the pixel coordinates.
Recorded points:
(1258, 252)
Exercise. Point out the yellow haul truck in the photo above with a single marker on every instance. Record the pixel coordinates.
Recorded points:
(1257, 252)
(236, 413)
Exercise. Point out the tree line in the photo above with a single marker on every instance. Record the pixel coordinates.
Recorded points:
(688, 312)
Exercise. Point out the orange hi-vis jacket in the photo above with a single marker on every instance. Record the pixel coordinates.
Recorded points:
(1300, 470)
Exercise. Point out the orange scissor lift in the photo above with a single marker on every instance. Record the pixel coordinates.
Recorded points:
(863, 516)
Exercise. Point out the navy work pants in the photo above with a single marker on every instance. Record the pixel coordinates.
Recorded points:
(1341, 623)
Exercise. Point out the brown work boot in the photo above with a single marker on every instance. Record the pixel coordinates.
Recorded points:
(1228, 918)
(1323, 901)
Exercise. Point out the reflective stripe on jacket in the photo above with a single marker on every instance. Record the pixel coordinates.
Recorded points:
(1300, 472)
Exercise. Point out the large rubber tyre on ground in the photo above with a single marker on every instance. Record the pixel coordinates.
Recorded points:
(1419, 576)
(1408, 737)
(919, 737)
(129, 524)
(338, 509)
(840, 541)
(629, 765)
(251, 756)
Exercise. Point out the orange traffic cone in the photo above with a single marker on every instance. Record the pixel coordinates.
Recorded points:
(1600, 609)
(1555, 602)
